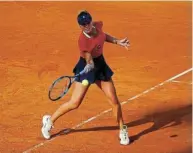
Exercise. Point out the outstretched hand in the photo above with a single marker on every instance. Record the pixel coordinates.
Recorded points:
(124, 42)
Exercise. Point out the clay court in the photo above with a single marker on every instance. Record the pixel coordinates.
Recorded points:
(38, 43)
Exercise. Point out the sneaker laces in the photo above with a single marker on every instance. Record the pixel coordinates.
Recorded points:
(124, 132)
(50, 122)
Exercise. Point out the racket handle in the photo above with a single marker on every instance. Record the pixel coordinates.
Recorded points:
(82, 72)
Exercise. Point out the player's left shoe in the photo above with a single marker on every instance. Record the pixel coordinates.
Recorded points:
(123, 135)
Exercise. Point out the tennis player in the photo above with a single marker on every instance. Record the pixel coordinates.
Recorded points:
(98, 72)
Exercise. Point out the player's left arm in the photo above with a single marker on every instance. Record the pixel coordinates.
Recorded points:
(122, 42)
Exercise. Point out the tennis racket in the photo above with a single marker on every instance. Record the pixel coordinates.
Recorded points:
(61, 86)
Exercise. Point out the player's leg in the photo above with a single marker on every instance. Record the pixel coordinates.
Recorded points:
(108, 88)
(75, 101)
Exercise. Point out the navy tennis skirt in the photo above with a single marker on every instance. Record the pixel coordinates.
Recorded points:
(101, 71)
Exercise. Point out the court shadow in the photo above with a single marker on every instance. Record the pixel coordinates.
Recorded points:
(160, 120)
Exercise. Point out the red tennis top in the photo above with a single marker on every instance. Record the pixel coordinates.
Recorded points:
(93, 45)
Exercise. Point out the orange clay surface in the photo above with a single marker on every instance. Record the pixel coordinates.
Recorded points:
(38, 43)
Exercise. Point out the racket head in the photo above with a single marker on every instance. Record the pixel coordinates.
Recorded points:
(59, 88)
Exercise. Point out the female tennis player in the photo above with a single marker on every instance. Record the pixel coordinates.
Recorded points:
(97, 72)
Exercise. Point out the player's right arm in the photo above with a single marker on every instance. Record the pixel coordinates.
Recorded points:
(85, 51)
(89, 60)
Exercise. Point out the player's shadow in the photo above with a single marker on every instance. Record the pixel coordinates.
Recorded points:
(160, 120)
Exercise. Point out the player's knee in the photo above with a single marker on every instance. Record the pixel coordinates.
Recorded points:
(114, 101)
(74, 104)
(116, 105)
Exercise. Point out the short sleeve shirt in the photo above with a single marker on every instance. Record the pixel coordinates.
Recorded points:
(93, 45)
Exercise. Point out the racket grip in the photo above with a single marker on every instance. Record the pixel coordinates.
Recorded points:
(82, 72)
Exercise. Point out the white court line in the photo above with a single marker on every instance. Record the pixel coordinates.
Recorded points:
(108, 110)
(176, 81)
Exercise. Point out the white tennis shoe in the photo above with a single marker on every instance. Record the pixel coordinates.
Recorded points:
(47, 126)
(123, 135)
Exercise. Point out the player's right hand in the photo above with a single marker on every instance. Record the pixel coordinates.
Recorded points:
(88, 67)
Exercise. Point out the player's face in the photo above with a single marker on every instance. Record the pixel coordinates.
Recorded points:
(87, 28)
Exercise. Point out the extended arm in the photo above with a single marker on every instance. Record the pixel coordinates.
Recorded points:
(122, 42)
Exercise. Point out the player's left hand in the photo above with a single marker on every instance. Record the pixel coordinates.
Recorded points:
(124, 42)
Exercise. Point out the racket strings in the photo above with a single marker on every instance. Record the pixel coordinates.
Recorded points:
(60, 87)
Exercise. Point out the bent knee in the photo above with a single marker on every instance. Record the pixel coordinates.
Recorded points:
(116, 105)
(113, 101)
(74, 104)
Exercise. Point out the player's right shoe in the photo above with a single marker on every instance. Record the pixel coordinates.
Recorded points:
(47, 126)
